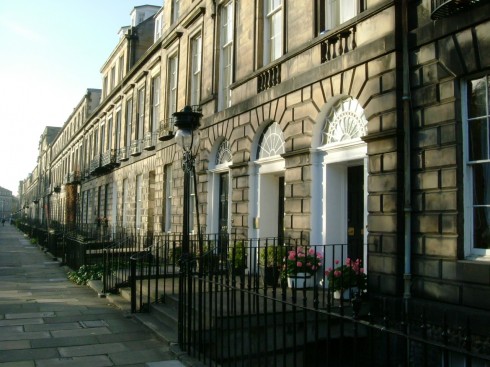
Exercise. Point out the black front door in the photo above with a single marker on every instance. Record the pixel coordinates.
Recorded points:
(223, 210)
(355, 212)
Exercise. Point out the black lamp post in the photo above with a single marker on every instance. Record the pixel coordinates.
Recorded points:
(187, 123)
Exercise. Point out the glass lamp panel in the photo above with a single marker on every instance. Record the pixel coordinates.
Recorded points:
(183, 138)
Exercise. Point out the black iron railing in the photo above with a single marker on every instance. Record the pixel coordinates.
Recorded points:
(109, 159)
(445, 8)
(150, 140)
(239, 314)
(95, 164)
(166, 129)
(136, 147)
(123, 154)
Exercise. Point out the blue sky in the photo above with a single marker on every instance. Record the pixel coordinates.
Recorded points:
(52, 51)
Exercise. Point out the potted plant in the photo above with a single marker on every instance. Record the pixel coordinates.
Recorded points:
(301, 264)
(237, 258)
(213, 258)
(270, 261)
(345, 277)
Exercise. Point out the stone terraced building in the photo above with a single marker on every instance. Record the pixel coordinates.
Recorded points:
(357, 121)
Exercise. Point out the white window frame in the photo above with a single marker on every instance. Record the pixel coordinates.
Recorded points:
(175, 11)
(113, 77)
(121, 68)
(468, 178)
(339, 11)
(195, 79)
(273, 30)
(141, 113)
(110, 126)
(155, 100)
(173, 63)
(158, 26)
(128, 122)
(226, 55)
(118, 129)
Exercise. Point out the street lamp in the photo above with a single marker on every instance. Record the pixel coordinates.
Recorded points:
(187, 123)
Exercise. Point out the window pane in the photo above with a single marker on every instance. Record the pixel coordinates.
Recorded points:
(331, 14)
(276, 39)
(479, 137)
(481, 184)
(348, 10)
(481, 227)
(172, 98)
(481, 209)
(226, 75)
(477, 95)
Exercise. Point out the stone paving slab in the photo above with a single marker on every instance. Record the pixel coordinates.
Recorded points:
(90, 361)
(48, 321)
(18, 364)
(92, 349)
(14, 344)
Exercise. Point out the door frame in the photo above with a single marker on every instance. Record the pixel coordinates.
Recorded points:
(265, 172)
(329, 188)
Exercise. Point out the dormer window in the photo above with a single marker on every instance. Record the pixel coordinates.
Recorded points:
(141, 13)
(158, 26)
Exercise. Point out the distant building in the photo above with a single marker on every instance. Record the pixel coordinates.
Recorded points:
(7, 203)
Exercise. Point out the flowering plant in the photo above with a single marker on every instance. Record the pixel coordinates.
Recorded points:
(302, 260)
(346, 276)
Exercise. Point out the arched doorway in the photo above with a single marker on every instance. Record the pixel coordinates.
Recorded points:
(339, 216)
(268, 211)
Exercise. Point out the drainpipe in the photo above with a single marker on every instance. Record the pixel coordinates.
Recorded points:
(407, 207)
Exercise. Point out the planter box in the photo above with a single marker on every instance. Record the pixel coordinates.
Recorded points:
(301, 280)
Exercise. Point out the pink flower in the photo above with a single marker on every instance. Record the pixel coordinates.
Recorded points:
(337, 273)
(311, 251)
(337, 262)
(299, 264)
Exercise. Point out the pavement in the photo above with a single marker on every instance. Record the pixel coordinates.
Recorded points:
(48, 321)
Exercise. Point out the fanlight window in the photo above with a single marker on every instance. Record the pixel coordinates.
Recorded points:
(224, 153)
(271, 142)
(346, 121)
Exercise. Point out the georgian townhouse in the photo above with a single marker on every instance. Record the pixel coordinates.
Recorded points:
(358, 122)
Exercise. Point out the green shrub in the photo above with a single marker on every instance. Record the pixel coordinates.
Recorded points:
(237, 255)
(86, 273)
(272, 256)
